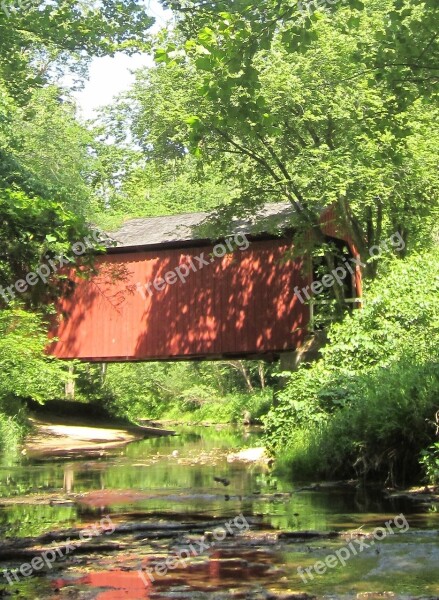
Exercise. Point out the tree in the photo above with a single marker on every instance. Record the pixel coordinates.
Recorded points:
(404, 47)
(26, 372)
(368, 407)
(47, 167)
(147, 170)
(312, 114)
(53, 148)
(40, 42)
(47, 163)
(44, 192)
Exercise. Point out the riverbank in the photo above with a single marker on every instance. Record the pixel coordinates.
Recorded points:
(425, 496)
(53, 435)
(73, 437)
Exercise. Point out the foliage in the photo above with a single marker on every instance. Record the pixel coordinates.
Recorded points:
(32, 231)
(430, 462)
(308, 116)
(26, 372)
(148, 191)
(12, 430)
(181, 391)
(364, 408)
(149, 172)
(41, 42)
(228, 409)
(45, 183)
(404, 49)
(46, 171)
(53, 149)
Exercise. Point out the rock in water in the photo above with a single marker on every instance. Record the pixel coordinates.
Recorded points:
(222, 480)
(247, 417)
(249, 455)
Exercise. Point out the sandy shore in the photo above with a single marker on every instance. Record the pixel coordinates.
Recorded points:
(50, 436)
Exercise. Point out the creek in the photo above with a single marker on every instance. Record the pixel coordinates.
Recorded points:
(179, 519)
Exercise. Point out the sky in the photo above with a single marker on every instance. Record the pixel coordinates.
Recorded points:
(111, 75)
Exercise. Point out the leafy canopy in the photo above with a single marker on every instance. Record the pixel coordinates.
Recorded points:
(310, 111)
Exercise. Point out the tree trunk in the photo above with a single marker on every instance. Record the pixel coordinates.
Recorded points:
(261, 374)
(239, 366)
(70, 385)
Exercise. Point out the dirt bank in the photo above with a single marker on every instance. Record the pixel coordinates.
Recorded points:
(64, 437)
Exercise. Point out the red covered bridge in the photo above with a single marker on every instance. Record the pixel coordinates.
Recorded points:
(164, 292)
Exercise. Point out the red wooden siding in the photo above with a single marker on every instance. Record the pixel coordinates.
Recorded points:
(241, 304)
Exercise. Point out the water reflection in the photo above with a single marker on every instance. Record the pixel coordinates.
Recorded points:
(173, 478)
(176, 475)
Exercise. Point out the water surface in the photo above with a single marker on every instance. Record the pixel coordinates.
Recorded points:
(168, 481)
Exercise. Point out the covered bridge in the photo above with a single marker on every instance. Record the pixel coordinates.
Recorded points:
(163, 291)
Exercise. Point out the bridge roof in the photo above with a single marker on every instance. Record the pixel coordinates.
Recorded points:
(185, 229)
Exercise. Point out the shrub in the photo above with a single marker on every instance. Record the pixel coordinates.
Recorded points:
(26, 372)
(365, 408)
(430, 463)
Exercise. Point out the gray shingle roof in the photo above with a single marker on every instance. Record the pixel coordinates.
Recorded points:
(152, 231)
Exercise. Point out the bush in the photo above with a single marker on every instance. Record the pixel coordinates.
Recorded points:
(365, 408)
(430, 463)
(12, 429)
(183, 391)
(26, 372)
